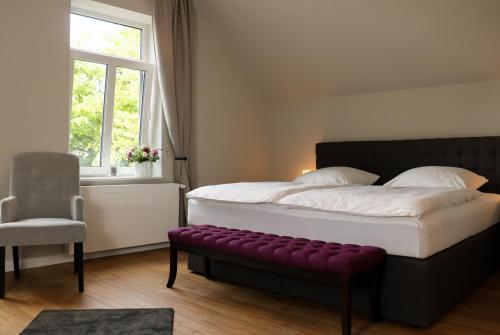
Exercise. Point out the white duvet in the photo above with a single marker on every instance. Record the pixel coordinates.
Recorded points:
(253, 192)
(380, 200)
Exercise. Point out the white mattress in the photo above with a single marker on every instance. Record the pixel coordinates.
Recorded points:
(403, 236)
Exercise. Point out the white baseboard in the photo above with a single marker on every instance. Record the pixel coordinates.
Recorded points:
(123, 251)
(35, 262)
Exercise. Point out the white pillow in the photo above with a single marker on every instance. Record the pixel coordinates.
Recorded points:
(338, 174)
(438, 176)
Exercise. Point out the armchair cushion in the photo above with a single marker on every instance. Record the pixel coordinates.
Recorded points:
(77, 208)
(8, 207)
(40, 231)
(44, 184)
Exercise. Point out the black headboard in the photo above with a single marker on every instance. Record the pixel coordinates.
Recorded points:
(390, 158)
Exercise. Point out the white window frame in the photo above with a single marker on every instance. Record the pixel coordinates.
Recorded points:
(112, 62)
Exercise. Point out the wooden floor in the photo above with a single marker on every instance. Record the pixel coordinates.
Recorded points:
(209, 307)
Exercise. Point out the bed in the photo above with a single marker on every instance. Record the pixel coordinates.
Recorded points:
(427, 272)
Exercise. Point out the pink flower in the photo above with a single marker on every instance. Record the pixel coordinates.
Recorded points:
(145, 154)
(155, 152)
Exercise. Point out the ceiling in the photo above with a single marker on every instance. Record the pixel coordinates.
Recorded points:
(299, 49)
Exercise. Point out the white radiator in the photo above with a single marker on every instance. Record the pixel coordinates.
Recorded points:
(121, 216)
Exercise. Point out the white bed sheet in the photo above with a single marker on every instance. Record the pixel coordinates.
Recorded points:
(404, 236)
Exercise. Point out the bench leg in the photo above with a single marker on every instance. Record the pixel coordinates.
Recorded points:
(375, 296)
(346, 306)
(2, 272)
(207, 268)
(15, 257)
(173, 267)
(78, 259)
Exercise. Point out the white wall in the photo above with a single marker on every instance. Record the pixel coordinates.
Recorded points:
(34, 65)
(228, 110)
(229, 124)
(35, 92)
(34, 89)
(238, 134)
(457, 110)
(34, 85)
(35, 95)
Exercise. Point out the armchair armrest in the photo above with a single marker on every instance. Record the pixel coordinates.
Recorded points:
(8, 207)
(77, 208)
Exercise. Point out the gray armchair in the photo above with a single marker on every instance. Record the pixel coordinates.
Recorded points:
(44, 207)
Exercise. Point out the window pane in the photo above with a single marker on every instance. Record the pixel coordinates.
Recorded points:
(127, 113)
(105, 37)
(89, 82)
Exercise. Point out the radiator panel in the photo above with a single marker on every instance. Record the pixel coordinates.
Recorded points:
(121, 216)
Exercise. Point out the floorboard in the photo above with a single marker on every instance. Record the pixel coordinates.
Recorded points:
(210, 307)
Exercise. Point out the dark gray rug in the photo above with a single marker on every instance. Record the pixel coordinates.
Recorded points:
(103, 321)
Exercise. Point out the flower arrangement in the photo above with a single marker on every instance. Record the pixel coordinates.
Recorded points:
(143, 154)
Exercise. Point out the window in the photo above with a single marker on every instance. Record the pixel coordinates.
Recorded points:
(111, 91)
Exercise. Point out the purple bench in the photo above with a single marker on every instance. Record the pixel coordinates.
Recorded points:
(333, 263)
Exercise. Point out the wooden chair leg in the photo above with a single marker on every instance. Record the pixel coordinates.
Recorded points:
(15, 256)
(375, 296)
(79, 264)
(346, 306)
(207, 267)
(2, 272)
(173, 267)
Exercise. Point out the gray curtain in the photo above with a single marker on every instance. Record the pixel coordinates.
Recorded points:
(171, 32)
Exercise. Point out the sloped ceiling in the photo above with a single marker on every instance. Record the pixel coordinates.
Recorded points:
(298, 49)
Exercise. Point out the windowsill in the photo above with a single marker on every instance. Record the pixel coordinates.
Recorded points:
(121, 180)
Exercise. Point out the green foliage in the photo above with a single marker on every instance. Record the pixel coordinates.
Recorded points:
(88, 103)
(127, 113)
(87, 112)
(125, 43)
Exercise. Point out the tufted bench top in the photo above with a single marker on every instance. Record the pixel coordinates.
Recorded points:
(342, 259)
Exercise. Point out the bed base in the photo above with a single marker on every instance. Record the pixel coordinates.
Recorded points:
(414, 291)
